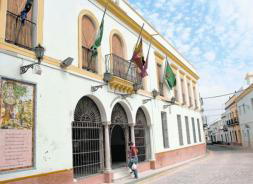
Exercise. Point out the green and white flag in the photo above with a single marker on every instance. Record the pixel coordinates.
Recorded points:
(169, 76)
(98, 40)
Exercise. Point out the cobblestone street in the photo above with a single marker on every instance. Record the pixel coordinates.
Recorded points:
(222, 165)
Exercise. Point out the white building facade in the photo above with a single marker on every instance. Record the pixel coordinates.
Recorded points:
(73, 124)
(245, 109)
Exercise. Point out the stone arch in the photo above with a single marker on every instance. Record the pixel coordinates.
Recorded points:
(99, 105)
(127, 109)
(87, 135)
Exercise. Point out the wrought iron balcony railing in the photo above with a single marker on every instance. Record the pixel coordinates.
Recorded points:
(89, 61)
(122, 68)
(18, 33)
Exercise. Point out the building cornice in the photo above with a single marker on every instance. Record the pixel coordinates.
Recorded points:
(244, 93)
(118, 12)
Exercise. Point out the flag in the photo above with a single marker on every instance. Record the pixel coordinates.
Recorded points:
(138, 57)
(145, 64)
(169, 76)
(98, 40)
(144, 68)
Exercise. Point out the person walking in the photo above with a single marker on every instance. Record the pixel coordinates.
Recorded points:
(133, 160)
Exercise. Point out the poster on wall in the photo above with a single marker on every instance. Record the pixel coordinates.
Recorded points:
(16, 124)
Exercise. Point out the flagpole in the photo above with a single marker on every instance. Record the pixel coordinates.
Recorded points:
(134, 49)
(105, 10)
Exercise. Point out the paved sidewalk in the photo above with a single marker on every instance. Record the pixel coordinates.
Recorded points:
(151, 173)
(223, 165)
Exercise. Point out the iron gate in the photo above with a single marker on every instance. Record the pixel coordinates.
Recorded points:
(140, 134)
(87, 139)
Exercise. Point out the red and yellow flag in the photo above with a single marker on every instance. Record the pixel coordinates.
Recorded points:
(138, 57)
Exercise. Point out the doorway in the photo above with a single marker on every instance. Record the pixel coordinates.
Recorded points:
(118, 147)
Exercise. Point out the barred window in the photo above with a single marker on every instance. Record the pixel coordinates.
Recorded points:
(194, 131)
(199, 130)
(187, 130)
(165, 130)
(180, 131)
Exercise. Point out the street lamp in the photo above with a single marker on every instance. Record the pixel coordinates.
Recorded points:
(39, 53)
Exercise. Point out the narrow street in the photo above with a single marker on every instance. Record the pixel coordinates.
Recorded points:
(222, 165)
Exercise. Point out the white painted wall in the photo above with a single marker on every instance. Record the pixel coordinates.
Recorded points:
(58, 91)
(245, 109)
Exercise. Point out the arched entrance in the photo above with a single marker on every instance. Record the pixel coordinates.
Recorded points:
(87, 139)
(119, 131)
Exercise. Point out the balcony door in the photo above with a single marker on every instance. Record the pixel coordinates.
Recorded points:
(119, 64)
(88, 38)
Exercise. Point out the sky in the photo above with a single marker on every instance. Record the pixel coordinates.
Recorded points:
(216, 36)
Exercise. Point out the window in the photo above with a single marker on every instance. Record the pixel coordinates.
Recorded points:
(187, 130)
(236, 137)
(20, 32)
(175, 94)
(195, 97)
(194, 131)
(180, 132)
(244, 109)
(199, 130)
(190, 95)
(159, 74)
(165, 130)
(183, 91)
(252, 103)
(89, 60)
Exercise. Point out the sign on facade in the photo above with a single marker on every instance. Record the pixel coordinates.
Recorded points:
(16, 124)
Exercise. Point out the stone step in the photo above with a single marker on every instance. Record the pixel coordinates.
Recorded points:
(120, 173)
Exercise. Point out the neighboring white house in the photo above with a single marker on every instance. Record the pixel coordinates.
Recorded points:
(73, 123)
(216, 132)
(245, 109)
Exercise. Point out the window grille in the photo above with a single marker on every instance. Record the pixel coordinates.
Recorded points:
(187, 130)
(165, 130)
(194, 131)
(87, 139)
(140, 134)
(180, 132)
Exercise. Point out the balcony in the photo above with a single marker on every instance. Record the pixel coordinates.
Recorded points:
(236, 121)
(125, 77)
(89, 61)
(18, 33)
